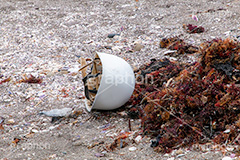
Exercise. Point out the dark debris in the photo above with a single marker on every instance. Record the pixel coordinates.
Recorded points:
(175, 43)
(31, 79)
(187, 104)
(193, 29)
(5, 80)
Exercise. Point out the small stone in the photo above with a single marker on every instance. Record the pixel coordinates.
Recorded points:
(204, 99)
(77, 143)
(45, 120)
(138, 47)
(132, 149)
(138, 139)
(227, 33)
(166, 155)
(180, 151)
(111, 35)
(108, 47)
(227, 131)
(123, 113)
(51, 128)
(230, 149)
(116, 37)
(44, 131)
(99, 155)
(53, 156)
(10, 121)
(29, 70)
(116, 49)
(110, 134)
(34, 130)
(169, 52)
(172, 158)
(76, 139)
(173, 153)
(180, 155)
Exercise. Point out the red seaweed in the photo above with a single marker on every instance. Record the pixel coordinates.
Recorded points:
(193, 29)
(175, 43)
(187, 104)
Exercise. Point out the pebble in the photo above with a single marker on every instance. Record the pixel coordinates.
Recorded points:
(76, 139)
(34, 130)
(227, 131)
(29, 70)
(180, 151)
(110, 134)
(108, 47)
(132, 149)
(173, 153)
(99, 155)
(111, 35)
(169, 52)
(44, 130)
(138, 47)
(51, 128)
(230, 149)
(172, 158)
(45, 120)
(166, 155)
(117, 48)
(53, 156)
(138, 139)
(77, 143)
(180, 155)
(227, 33)
(10, 121)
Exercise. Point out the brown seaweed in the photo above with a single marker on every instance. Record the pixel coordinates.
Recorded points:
(187, 104)
(193, 29)
(175, 43)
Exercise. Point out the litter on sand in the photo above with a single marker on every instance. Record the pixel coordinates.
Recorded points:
(109, 84)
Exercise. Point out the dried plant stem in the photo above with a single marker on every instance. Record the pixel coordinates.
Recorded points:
(84, 65)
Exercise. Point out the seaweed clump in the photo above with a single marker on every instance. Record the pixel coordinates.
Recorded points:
(187, 104)
(193, 29)
(175, 43)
